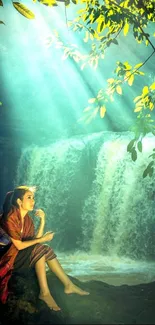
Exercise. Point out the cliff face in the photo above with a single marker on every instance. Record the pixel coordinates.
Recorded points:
(106, 304)
(10, 151)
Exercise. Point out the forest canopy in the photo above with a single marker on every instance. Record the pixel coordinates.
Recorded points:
(101, 24)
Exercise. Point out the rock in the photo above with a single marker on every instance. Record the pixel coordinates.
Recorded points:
(106, 304)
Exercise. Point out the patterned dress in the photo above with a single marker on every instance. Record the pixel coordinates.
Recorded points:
(18, 260)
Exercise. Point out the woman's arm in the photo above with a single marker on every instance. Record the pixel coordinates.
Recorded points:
(41, 214)
(24, 244)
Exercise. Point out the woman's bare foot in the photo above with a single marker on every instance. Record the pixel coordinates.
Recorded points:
(50, 302)
(72, 288)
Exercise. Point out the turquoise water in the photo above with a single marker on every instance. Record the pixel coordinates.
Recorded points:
(109, 269)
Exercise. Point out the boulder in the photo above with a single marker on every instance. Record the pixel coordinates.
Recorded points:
(106, 304)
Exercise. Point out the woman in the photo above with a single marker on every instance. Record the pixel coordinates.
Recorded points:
(26, 249)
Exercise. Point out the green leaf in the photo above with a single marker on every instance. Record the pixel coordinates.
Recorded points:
(150, 164)
(151, 170)
(23, 10)
(145, 173)
(2, 22)
(108, 43)
(130, 145)
(115, 41)
(101, 26)
(134, 154)
(139, 146)
(152, 155)
(1, 3)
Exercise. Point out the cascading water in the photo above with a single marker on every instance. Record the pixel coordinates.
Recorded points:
(95, 197)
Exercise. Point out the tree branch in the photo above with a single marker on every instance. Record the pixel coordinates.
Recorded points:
(130, 15)
(146, 36)
(140, 66)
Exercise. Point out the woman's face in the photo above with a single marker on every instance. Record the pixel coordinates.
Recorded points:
(27, 202)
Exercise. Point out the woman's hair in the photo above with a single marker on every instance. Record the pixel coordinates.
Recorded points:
(10, 202)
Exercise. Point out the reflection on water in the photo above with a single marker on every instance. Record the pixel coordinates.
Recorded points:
(112, 270)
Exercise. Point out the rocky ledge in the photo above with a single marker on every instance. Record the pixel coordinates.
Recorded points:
(106, 304)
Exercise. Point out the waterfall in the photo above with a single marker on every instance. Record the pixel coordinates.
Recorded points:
(94, 195)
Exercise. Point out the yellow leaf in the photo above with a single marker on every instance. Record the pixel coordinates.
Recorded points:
(110, 12)
(23, 10)
(96, 35)
(102, 111)
(86, 37)
(127, 75)
(110, 80)
(154, 34)
(130, 80)
(95, 63)
(137, 99)
(49, 2)
(145, 90)
(152, 87)
(138, 109)
(138, 65)
(127, 65)
(141, 73)
(83, 65)
(88, 108)
(151, 106)
(119, 90)
(92, 115)
(91, 100)
(125, 4)
(100, 25)
(80, 11)
(65, 56)
(147, 42)
(126, 29)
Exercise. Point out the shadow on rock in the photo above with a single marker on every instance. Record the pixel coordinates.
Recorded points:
(106, 304)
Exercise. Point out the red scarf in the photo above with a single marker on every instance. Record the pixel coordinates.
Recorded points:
(12, 226)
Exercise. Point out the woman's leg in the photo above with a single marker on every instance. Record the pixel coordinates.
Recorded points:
(70, 287)
(45, 294)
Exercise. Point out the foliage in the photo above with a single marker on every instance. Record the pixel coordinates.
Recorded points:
(101, 22)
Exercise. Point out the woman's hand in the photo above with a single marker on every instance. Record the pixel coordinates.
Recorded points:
(48, 236)
(40, 213)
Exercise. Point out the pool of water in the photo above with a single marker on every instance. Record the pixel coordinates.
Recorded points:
(110, 269)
